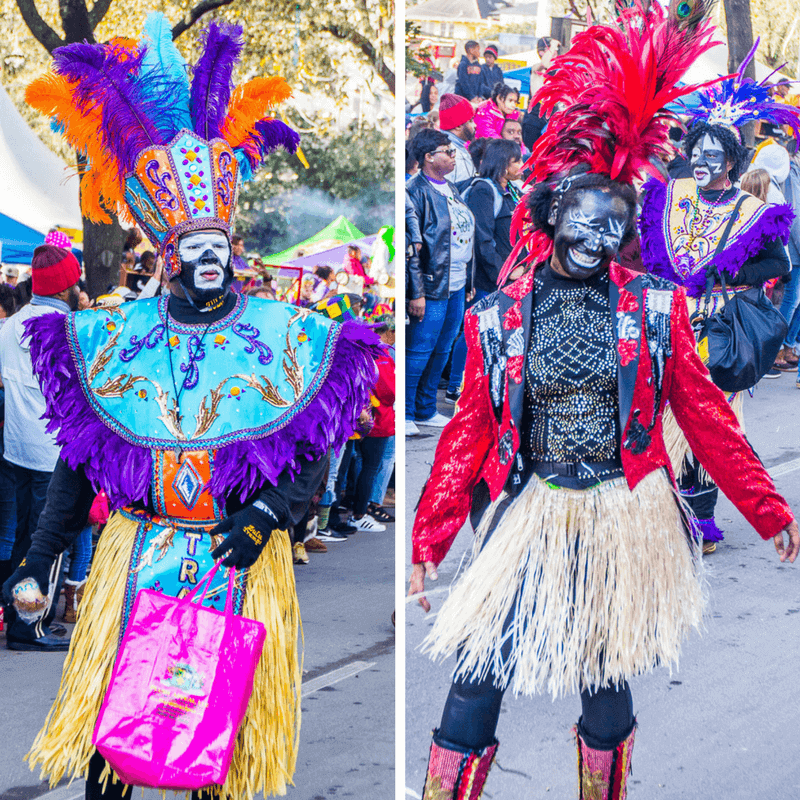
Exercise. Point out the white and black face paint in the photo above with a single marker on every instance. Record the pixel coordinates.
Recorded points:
(709, 166)
(590, 232)
(205, 264)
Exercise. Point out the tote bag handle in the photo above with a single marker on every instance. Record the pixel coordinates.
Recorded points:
(205, 582)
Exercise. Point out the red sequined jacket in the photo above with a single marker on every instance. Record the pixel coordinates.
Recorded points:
(657, 363)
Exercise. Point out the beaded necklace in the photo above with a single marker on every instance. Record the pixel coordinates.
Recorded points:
(698, 223)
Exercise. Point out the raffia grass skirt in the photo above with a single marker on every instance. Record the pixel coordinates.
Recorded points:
(588, 588)
(266, 746)
(678, 450)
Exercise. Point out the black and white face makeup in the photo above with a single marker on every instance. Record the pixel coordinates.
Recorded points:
(709, 166)
(205, 264)
(588, 233)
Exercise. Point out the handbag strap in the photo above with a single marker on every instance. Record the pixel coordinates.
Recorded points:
(723, 240)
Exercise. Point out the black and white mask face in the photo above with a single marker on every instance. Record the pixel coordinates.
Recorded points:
(205, 264)
(589, 232)
(708, 162)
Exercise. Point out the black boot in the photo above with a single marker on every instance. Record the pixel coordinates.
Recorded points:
(34, 636)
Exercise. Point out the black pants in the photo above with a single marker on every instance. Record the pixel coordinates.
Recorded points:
(31, 491)
(472, 709)
(701, 494)
(372, 449)
(114, 791)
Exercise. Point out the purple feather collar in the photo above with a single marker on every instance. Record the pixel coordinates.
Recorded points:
(124, 469)
(775, 222)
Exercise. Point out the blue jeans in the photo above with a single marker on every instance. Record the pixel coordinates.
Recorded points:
(381, 483)
(459, 360)
(428, 344)
(8, 507)
(790, 306)
(80, 554)
(333, 472)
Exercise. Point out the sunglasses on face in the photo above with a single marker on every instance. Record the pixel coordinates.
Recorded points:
(450, 151)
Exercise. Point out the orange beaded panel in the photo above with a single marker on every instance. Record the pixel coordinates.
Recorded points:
(178, 485)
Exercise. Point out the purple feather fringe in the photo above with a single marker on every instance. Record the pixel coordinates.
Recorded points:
(709, 530)
(212, 81)
(775, 223)
(124, 469)
(110, 462)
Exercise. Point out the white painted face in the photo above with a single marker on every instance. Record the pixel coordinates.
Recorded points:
(207, 252)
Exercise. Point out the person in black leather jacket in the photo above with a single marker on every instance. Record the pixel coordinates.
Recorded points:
(439, 279)
(492, 198)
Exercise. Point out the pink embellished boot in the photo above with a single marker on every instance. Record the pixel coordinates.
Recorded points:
(456, 772)
(603, 774)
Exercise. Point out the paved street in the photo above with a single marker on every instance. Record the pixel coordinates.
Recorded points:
(724, 726)
(347, 734)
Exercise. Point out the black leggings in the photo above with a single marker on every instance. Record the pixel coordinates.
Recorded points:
(472, 709)
(700, 494)
(114, 791)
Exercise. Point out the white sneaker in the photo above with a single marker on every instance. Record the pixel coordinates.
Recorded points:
(436, 421)
(366, 523)
(411, 428)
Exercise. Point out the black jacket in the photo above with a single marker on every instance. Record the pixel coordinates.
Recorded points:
(429, 275)
(532, 126)
(492, 233)
(489, 77)
(468, 82)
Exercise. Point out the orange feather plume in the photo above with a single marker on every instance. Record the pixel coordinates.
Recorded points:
(101, 191)
(250, 103)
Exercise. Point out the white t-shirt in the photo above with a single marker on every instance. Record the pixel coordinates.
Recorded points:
(27, 444)
(462, 235)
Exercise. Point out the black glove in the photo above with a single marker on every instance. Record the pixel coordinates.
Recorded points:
(36, 567)
(250, 530)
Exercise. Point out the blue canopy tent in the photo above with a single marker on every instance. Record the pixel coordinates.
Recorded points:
(18, 241)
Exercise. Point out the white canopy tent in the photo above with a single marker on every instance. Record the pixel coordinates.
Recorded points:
(714, 63)
(35, 188)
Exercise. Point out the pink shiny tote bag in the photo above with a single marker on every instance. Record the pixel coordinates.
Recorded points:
(179, 690)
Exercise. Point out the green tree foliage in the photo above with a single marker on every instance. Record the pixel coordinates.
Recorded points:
(419, 60)
(350, 173)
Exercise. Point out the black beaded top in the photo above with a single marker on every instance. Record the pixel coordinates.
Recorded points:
(571, 397)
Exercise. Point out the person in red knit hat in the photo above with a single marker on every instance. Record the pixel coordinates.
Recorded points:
(30, 450)
(455, 119)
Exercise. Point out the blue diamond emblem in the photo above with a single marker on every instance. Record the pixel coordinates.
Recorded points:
(187, 484)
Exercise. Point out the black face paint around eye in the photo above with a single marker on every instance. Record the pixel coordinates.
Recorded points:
(588, 234)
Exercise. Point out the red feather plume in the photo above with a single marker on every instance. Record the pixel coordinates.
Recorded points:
(607, 97)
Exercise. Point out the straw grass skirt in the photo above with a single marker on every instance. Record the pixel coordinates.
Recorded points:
(588, 588)
(266, 746)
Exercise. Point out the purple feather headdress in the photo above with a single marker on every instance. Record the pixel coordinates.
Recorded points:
(738, 100)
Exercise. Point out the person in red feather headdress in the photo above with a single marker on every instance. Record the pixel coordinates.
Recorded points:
(586, 570)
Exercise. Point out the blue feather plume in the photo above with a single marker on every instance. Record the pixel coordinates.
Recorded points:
(212, 81)
(164, 69)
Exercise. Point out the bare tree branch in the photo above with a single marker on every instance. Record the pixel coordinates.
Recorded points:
(368, 49)
(195, 14)
(42, 32)
(99, 10)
